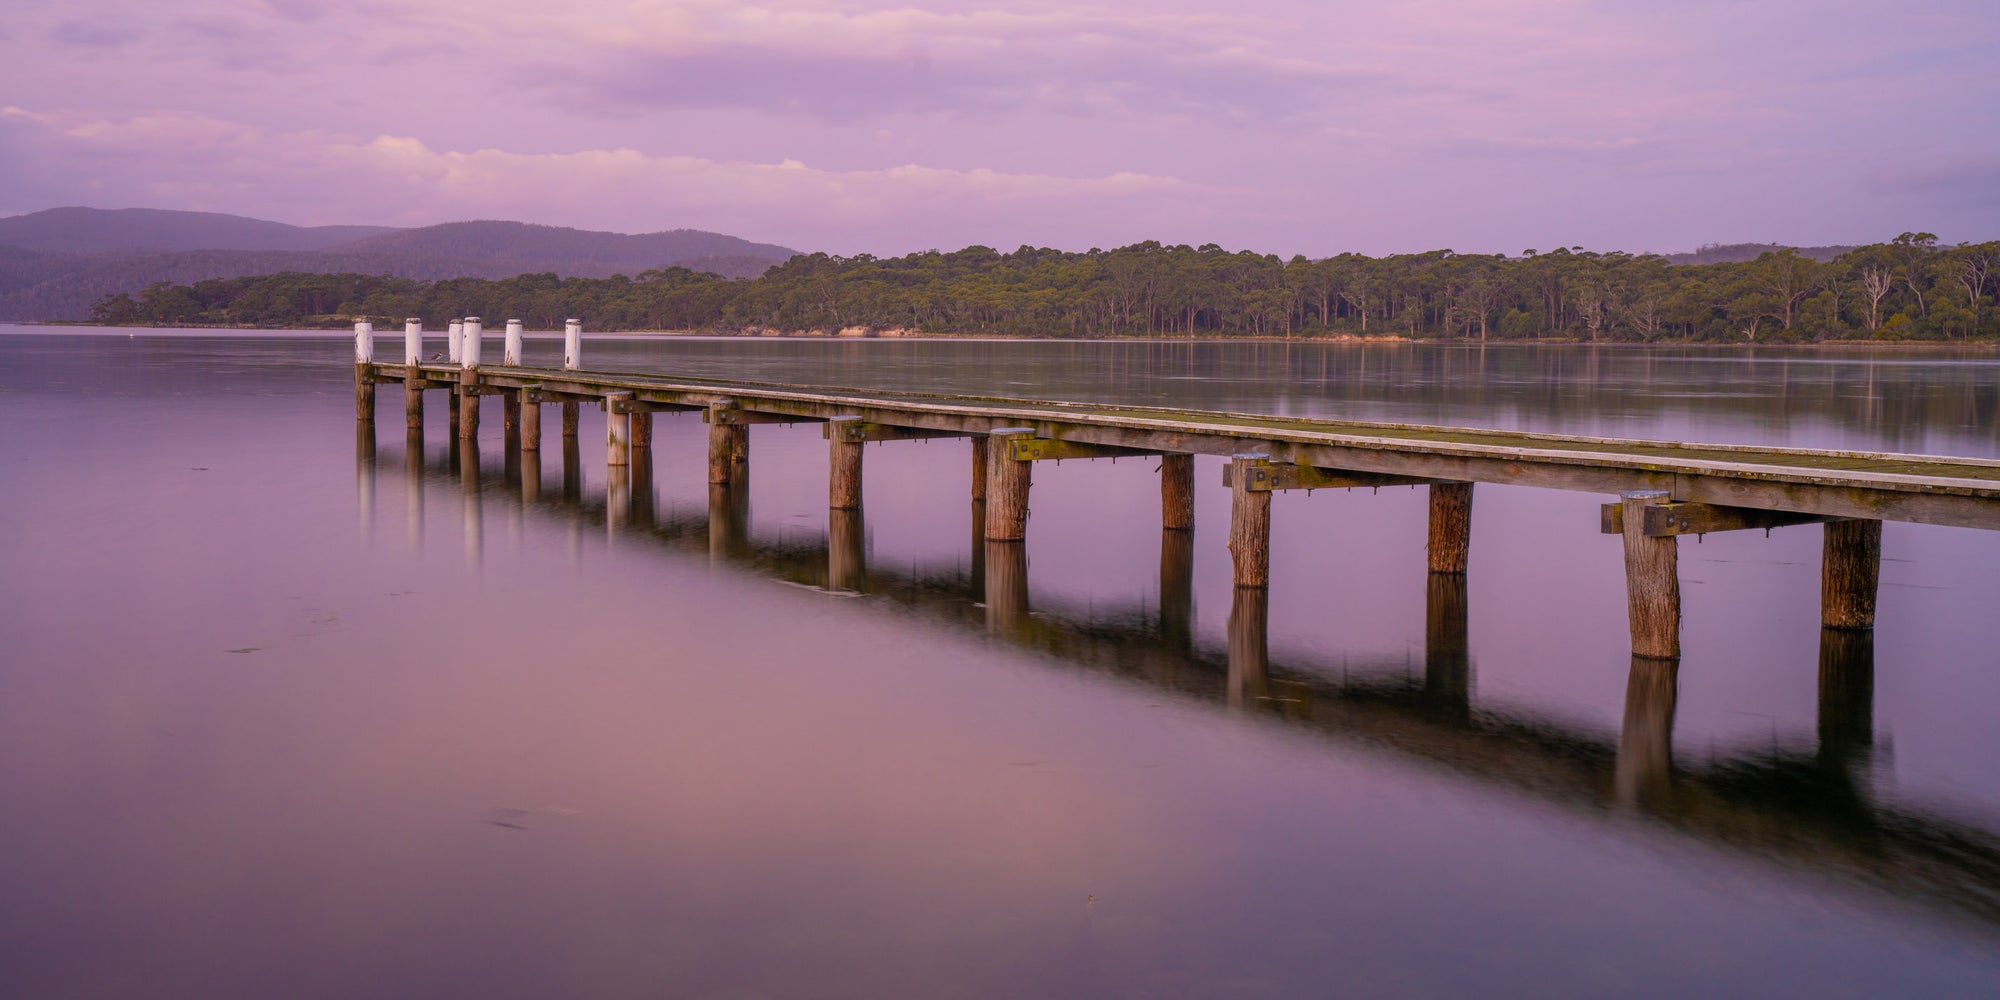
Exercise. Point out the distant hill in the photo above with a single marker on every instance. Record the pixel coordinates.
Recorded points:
(576, 248)
(55, 264)
(1735, 253)
(94, 230)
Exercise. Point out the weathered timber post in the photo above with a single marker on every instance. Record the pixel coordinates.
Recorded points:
(451, 406)
(573, 344)
(643, 513)
(1177, 492)
(1249, 524)
(728, 444)
(1652, 580)
(1006, 577)
(454, 341)
(1447, 657)
(642, 429)
(1007, 483)
(1450, 527)
(569, 419)
(1177, 587)
(979, 446)
(1646, 741)
(364, 372)
(617, 430)
(846, 549)
(413, 343)
(469, 344)
(843, 483)
(510, 421)
(468, 379)
(510, 348)
(413, 404)
(1850, 571)
(1249, 644)
(531, 420)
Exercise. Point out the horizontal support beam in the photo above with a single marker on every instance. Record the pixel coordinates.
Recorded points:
(634, 405)
(1023, 448)
(1696, 518)
(741, 418)
(1268, 476)
(855, 430)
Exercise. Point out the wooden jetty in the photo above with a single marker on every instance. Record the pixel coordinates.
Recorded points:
(1664, 489)
(1803, 804)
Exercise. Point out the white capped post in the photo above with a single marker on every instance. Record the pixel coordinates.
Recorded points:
(468, 349)
(573, 344)
(510, 352)
(413, 341)
(364, 343)
(454, 336)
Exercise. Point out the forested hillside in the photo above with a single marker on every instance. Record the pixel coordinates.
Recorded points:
(1908, 289)
(55, 264)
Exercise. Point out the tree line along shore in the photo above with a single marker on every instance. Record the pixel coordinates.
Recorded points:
(1908, 289)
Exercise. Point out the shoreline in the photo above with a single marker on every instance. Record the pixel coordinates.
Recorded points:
(905, 335)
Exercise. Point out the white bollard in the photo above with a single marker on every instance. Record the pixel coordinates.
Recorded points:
(573, 344)
(510, 351)
(413, 341)
(468, 348)
(364, 343)
(454, 336)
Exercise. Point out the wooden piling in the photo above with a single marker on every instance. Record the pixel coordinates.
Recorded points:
(1007, 483)
(1450, 527)
(843, 480)
(413, 344)
(573, 344)
(642, 430)
(364, 393)
(721, 453)
(617, 430)
(531, 422)
(451, 407)
(979, 469)
(468, 411)
(1249, 525)
(1652, 580)
(569, 419)
(413, 406)
(510, 350)
(1850, 572)
(1177, 492)
(510, 421)
(572, 469)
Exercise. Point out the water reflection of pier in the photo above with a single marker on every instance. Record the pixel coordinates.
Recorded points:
(1805, 805)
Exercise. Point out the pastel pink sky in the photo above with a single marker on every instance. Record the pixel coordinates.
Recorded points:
(1288, 126)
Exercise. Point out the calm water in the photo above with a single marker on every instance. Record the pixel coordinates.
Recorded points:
(280, 716)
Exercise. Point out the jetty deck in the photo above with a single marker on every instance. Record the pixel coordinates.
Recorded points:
(1662, 489)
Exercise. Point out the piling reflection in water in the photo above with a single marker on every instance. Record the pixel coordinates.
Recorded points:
(1006, 587)
(1646, 742)
(1177, 587)
(1249, 646)
(1447, 649)
(413, 485)
(846, 551)
(469, 489)
(1803, 807)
